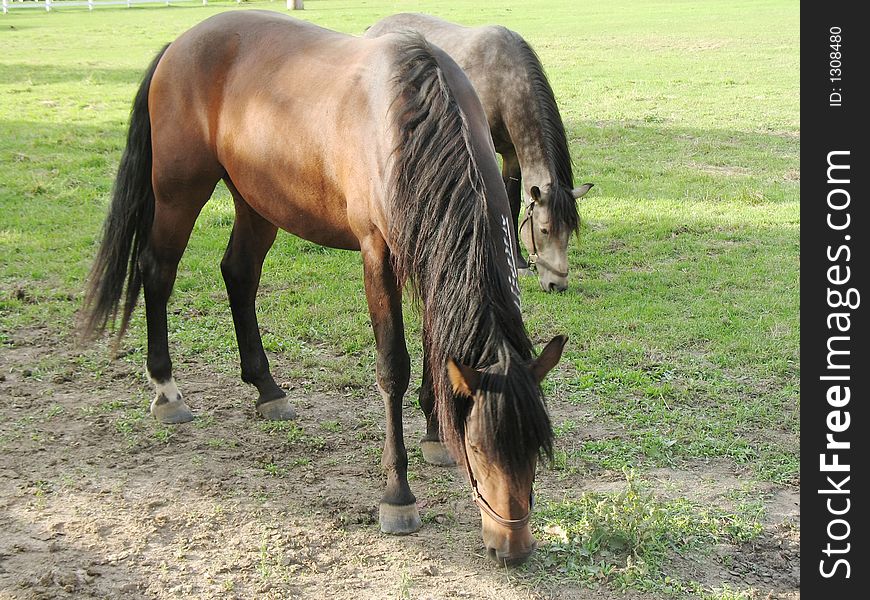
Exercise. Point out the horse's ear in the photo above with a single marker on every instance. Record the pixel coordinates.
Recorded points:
(550, 355)
(536, 193)
(463, 379)
(581, 191)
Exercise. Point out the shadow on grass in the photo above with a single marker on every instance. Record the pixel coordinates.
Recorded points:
(30, 74)
(644, 160)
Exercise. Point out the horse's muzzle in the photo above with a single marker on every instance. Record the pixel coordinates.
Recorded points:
(511, 558)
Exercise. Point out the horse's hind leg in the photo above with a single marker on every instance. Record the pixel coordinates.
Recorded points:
(241, 267)
(174, 216)
(434, 450)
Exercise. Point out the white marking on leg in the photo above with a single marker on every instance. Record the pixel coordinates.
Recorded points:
(166, 388)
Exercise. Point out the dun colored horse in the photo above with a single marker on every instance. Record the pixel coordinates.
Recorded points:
(377, 145)
(526, 128)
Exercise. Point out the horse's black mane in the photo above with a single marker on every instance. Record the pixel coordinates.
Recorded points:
(444, 244)
(563, 207)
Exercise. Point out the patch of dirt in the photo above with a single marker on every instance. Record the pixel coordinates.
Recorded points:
(99, 501)
(770, 565)
(783, 506)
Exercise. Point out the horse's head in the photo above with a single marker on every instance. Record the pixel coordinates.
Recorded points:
(506, 429)
(551, 216)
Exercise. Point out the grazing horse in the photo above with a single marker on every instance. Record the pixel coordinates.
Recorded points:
(527, 131)
(376, 145)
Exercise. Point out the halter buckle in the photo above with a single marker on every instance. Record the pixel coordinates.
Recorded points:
(533, 262)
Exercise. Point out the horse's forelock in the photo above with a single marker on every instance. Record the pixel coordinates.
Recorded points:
(564, 215)
(515, 418)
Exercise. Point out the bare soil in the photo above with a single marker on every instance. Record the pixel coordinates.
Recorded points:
(99, 501)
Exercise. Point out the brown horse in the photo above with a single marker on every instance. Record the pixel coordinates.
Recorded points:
(527, 131)
(377, 145)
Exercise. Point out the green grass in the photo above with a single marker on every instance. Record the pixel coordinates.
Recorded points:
(625, 538)
(683, 306)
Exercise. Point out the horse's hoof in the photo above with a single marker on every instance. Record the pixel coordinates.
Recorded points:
(399, 520)
(279, 409)
(171, 412)
(435, 453)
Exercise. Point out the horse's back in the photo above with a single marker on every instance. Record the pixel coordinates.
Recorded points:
(277, 105)
(488, 54)
(473, 48)
(254, 59)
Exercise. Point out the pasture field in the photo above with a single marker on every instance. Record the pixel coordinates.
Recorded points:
(676, 403)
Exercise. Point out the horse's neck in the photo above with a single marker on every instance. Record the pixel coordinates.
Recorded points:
(537, 160)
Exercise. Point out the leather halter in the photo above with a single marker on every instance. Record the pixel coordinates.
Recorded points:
(481, 502)
(534, 259)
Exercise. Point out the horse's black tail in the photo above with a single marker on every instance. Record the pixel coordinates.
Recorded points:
(127, 226)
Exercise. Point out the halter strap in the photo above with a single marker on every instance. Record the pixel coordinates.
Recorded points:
(534, 259)
(481, 502)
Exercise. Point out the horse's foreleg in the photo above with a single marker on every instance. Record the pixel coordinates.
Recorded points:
(512, 177)
(434, 451)
(398, 508)
(241, 267)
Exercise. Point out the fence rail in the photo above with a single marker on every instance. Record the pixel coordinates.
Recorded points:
(48, 5)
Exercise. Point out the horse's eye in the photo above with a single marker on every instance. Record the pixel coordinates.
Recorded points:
(545, 231)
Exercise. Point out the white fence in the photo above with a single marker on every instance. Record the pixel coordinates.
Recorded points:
(47, 5)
